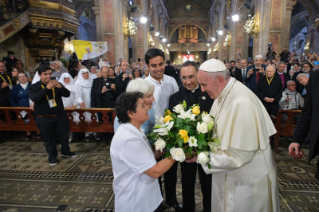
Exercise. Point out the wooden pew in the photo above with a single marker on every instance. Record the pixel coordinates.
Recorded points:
(18, 124)
(284, 129)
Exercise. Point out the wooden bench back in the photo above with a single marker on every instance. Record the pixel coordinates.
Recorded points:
(288, 128)
(19, 124)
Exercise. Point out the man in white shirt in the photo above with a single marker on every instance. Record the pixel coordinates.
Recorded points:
(165, 86)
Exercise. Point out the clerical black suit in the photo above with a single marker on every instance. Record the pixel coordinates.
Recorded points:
(189, 169)
(286, 79)
(308, 120)
(274, 90)
(240, 75)
(105, 100)
(5, 92)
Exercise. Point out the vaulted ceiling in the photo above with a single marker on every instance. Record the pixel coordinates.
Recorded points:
(187, 8)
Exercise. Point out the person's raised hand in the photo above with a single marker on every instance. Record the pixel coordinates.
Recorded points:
(104, 89)
(50, 85)
(4, 84)
(294, 149)
(113, 86)
(192, 159)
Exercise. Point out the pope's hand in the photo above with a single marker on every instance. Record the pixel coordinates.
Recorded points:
(192, 159)
(294, 149)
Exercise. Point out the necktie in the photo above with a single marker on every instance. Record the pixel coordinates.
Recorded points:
(243, 72)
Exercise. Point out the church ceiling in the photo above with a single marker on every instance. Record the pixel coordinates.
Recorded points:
(187, 8)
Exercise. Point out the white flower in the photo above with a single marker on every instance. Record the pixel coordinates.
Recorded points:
(164, 129)
(160, 144)
(214, 146)
(192, 141)
(178, 154)
(207, 118)
(202, 127)
(203, 158)
(159, 120)
(188, 114)
(178, 108)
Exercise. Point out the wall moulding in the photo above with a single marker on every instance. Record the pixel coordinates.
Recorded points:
(52, 6)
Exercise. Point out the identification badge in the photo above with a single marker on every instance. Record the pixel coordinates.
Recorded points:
(52, 103)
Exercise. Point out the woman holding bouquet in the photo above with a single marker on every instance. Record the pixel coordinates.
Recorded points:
(134, 163)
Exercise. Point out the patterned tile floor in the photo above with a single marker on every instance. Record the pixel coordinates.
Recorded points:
(28, 183)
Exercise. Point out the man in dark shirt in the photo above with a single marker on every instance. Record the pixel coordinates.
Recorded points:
(5, 86)
(192, 94)
(123, 78)
(284, 55)
(51, 118)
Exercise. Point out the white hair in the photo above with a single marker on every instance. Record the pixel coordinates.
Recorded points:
(141, 85)
(289, 81)
(59, 62)
(92, 67)
(259, 56)
(301, 75)
(82, 67)
(225, 74)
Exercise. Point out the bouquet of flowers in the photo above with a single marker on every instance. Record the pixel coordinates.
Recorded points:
(185, 133)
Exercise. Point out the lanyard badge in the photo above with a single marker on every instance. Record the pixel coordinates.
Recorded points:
(52, 102)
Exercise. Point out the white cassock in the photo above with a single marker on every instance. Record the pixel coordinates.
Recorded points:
(244, 175)
(88, 56)
(82, 88)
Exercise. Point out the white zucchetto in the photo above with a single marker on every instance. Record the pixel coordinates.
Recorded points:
(213, 65)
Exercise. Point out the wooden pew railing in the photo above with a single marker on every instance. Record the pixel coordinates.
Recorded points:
(18, 124)
(287, 128)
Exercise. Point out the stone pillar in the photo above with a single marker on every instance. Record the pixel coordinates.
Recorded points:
(110, 18)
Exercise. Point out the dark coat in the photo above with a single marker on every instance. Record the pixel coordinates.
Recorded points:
(97, 97)
(120, 84)
(286, 79)
(5, 92)
(20, 97)
(274, 90)
(238, 75)
(204, 100)
(308, 121)
(251, 80)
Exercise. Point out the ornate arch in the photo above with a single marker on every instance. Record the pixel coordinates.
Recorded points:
(180, 25)
(297, 26)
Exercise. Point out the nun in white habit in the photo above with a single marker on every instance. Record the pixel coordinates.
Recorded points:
(82, 88)
(69, 102)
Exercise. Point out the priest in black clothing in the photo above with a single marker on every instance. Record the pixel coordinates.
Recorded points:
(269, 90)
(5, 86)
(50, 117)
(192, 94)
(103, 92)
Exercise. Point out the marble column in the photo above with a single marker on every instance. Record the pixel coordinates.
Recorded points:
(110, 18)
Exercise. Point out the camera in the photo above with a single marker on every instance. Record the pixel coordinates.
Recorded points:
(52, 78)
(108, 85)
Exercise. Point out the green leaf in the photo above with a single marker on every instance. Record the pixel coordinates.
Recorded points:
(184, 104)
(204, 143)
(201, 136)
(180, 142)
(209, 166)
(190, 149)
(199, 145)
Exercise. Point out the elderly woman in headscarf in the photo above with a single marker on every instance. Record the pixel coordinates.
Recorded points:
(82, 88)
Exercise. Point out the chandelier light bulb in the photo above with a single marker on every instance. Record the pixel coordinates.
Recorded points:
(220, 32)
(143, 20)
(157, 34)
(235, 17)
(164, 39)
(168, 45)
(213, 39)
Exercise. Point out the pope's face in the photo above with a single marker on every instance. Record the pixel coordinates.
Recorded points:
(303, 80)
(212, 86)
(189, 77)
(156, 67)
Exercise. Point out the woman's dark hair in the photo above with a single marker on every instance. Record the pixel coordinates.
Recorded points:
(113, 71)
(151, 53)
(43, 68)
(126, 102)
(135, 70)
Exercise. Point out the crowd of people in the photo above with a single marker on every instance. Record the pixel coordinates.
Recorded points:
(141, 91)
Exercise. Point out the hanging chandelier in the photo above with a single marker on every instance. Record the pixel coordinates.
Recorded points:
(151, 41)
(307, 46)
(216, 48)
(161, 47)
(227, 41)
(130, 28)
(209, 50)
(251, 26)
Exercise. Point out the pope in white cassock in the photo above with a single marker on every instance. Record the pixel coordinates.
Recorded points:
(244, 175)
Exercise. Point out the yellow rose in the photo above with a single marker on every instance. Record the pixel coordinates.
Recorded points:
(168, 112)
(167, 118)
(196, 110)
(184, 135)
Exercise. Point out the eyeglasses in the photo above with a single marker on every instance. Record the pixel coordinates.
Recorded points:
(291, 85)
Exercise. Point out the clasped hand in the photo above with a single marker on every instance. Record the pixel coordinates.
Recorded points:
(53, 83)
